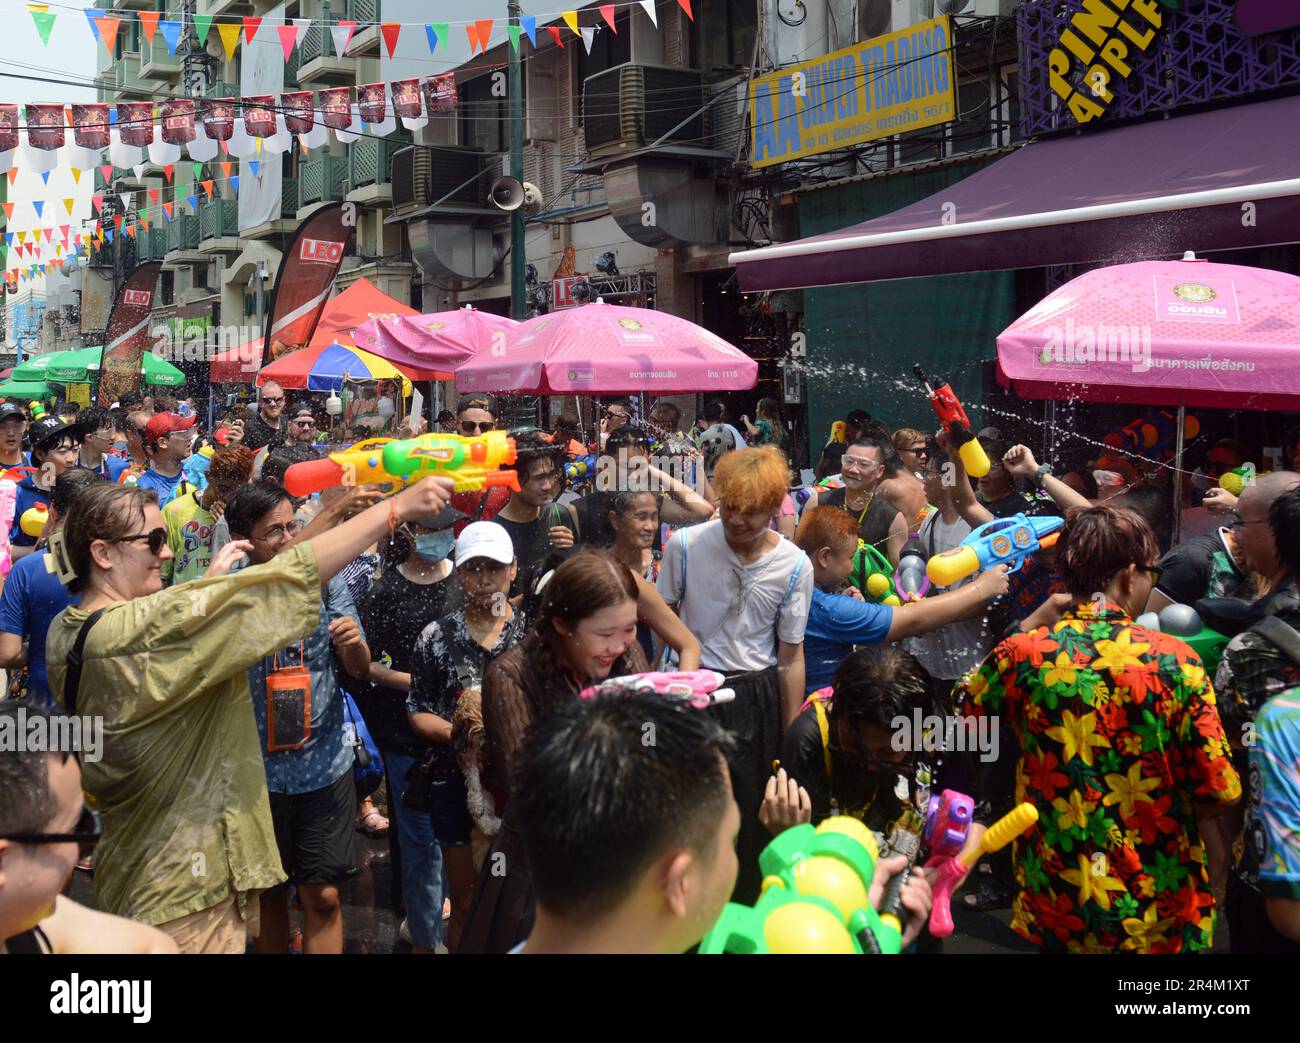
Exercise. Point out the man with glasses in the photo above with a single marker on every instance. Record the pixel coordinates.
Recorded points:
(313, 797)
(45, 826)
(169, 440)
(880, 523)
(98, 434)
(265, 425)
(302, 428)
(476, 415)
(535, 523)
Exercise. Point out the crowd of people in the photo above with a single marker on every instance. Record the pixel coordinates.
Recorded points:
(270, 669)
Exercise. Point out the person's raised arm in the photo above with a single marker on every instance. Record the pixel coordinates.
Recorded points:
(921, 617)
(1019, 461)
(896, 539)
(652, 610)
(684, 505)
(972, 511)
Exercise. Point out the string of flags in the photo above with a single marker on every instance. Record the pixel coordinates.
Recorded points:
(105, 24)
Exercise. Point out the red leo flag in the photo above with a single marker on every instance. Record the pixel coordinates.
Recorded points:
(128, 334)
(305, 278)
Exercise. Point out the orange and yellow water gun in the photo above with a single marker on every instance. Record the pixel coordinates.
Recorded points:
(471, 463)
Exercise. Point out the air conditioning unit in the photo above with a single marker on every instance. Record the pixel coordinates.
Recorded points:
(875, 18)
(905, 13)
(633, 105)
(422, 177)
(975, 8)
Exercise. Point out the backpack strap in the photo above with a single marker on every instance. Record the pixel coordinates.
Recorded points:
(482, 503)
(685, 543)
(1280, 634)
(72, 681)
(824, 727)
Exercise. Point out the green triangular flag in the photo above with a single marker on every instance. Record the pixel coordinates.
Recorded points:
(513, 32)
(143, 213)
(44, 23)
(198, 170)
(202, 23)
(443, 29)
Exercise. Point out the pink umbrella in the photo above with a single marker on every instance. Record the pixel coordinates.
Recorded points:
(609, 349)
(442, 340)
(1175, 333)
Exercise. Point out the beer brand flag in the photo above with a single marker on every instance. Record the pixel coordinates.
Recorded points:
(304, 280)
(128, 334)
(90, 125)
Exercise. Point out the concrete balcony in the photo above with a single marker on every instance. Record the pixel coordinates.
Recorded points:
(219, 226)
(222, 89)
(370, 164)
(128, 84)
(287, 221)
(156, 63)
(183, 240)
(320, 179)
(151, 244)
(132, 5)
(318, 64)
(217, 8)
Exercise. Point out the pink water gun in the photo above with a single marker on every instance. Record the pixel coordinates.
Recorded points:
(8, 504)
(954, 867)
(697, 688)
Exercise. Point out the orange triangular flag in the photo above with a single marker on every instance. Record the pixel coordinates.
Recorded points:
(153, 195)
(130, 230)
(225, 168)
(108, 32)
(8, 209)
(167, 207)
(149, 23)
(117, 221)
(145, 220)
(250, 28)
(13, 176)
(207, 187)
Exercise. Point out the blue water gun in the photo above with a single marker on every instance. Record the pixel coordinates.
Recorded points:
(1003, 541)
(582, 467)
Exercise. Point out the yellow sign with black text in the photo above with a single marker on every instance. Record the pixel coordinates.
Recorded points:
(875, 89)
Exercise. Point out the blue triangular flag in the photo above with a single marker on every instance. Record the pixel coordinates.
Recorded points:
(108, 234)
(171, 33)
(9, 239)
(38, 205)
(193, 201)
(529, 25)
(253, 165)
(91, 14)
(433, 37)
(234, 181)
(45, 176)
(167, 215)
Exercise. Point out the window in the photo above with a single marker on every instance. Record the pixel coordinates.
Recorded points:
(168, 283)
(608, 50)
(483, 114)
(722, 35)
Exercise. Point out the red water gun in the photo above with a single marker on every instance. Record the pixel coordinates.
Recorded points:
(953, 417)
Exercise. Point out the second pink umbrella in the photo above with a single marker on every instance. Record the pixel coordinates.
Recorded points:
(441, 340)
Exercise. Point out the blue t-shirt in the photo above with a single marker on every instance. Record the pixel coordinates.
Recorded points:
(167, 488)
(1275, 776)
(837, 622)
(28, 497)
(32, 597)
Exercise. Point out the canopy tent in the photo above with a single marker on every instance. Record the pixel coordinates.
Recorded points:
(359, 303)
(34, 369)
(1137, 191)
(25, 389)
(77, 367)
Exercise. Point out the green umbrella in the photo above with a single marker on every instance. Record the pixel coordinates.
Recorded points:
(35, 369)
(75, 367)
(25, 389)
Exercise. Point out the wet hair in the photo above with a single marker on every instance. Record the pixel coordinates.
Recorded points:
(876, 684)
(282, 457)
(104, 511)
(629, 437)
(231, 467)
(597, 806)
(826, 527)
(751, 480)
(531, 446)
(1284, 520)
(92, 419)
(624, 501)
(132, 400)
(250, 503)
(70, 485)
(27, 803)
(1097, 542)
(1153, 506)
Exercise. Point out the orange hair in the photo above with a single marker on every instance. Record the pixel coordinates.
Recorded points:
(750, 480)
(826, 527)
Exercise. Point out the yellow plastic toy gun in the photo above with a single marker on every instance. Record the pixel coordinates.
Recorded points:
(471, 463)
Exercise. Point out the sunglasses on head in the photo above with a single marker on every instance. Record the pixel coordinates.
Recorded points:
(156, 538)
(85, 834)
(470, 427)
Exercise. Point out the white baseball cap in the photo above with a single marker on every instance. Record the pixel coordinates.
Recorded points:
(484, 539)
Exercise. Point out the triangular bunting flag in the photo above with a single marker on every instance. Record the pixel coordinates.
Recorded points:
(126, 198)
(65, 231)
(130, 230)
(168, 170)
(571, 20)
(607, 13)
(98, 200)
(342, 34)
(8, 209)
(588, 34)
(529, 25)
(193, 201)
(513, 31)
(229, 39)
(443, 31)
(202, 25)
(288, 38)
(167, 209)
(49, 233)
(555, 35)
(300, 26)
(484, 29)
(68, 205)
(38, 205)
(254, 166)
(108, 32)
(76, 176)
(93, 13)
(153, 195)
(44, 20)
(257, 143)
(197, 168)
(686, 6)
(234, 183)
(251, 25)
(171, 33)
(22, 238)
(471, 31)
(390, 31)
(149, 23)
(431, 36)
(45, 176)
(108, 235)
(649, 6)
(225, 168)
(13, 176)
(207, 187)
(107, 170)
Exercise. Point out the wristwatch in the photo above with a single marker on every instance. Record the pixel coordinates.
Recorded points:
(1043, 471)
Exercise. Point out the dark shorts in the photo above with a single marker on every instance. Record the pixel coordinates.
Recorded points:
(448, 811)
(316, 832)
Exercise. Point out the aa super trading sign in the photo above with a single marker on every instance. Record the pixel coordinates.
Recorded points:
(884, 86)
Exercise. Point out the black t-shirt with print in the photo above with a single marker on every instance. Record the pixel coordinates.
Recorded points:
(394, 612)
(1031, 504)
(532, 540)
(258, 433)
(1200, 568)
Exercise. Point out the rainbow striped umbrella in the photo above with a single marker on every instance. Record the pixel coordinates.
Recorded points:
(327, 366)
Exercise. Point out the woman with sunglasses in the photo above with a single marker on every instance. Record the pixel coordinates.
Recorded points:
(45, 826)
(189, 843)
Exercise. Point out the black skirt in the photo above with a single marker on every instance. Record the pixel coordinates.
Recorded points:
(501, 914)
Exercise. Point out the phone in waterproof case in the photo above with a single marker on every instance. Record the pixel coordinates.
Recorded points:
(288, 708)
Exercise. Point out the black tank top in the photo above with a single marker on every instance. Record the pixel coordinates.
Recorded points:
(29, 943)
(875, 520)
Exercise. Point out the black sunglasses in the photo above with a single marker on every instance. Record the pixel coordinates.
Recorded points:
(156, 538)
(470, 427)
(86, 834)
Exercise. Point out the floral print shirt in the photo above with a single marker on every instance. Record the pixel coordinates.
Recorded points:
(1120, 740)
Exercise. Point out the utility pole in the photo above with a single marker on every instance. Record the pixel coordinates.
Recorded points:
(514, 78)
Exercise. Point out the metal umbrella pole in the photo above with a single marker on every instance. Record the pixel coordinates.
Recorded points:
(1178, 469)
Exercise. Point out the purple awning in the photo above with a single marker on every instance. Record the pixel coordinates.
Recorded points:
(1135, 192)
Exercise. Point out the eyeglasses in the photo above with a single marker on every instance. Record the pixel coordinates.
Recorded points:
(156, 538)
(278, 532)
(305, 423)
(271, 401)
(85, 835)
(918, 450)
(857, 463)
(470, 427)
(1238, 523)
(1153, 571)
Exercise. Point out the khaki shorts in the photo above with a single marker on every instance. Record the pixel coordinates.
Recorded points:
(221, 929)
